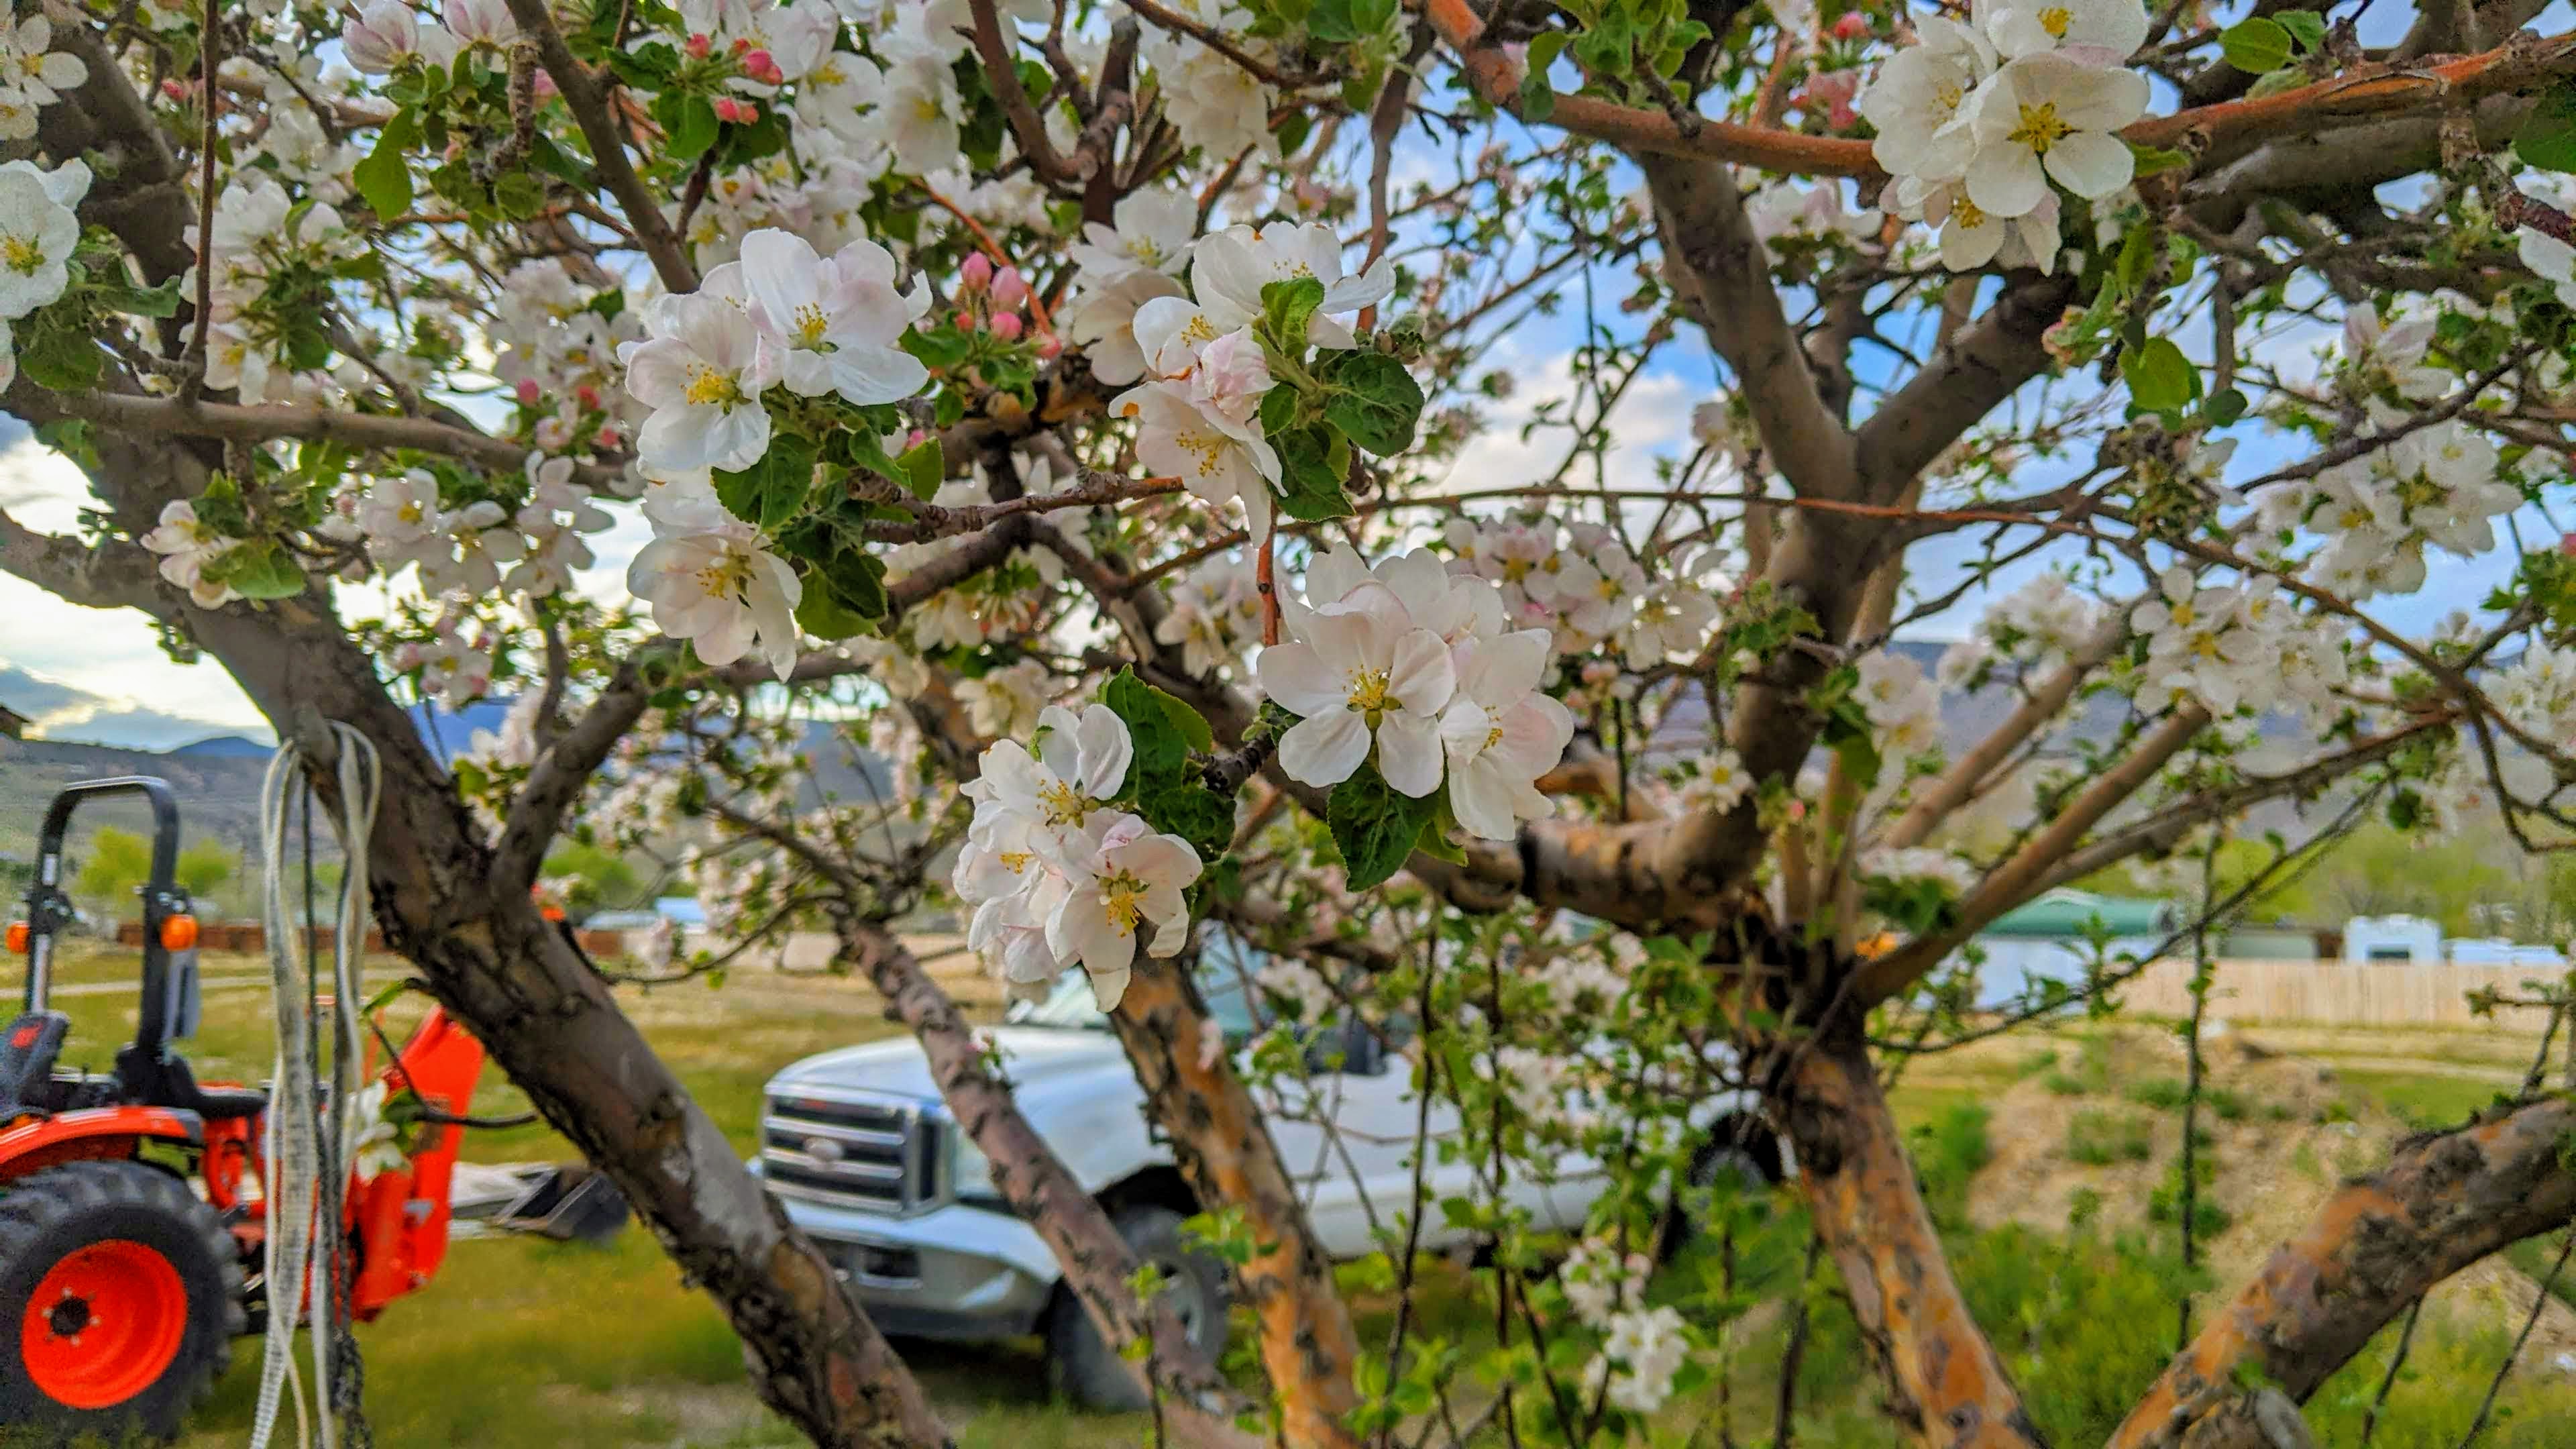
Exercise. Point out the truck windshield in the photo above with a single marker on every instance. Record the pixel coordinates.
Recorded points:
(1225, 969)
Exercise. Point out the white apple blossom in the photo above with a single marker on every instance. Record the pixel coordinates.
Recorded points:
(702, 373)
(1150, 230)
(2552, 259)
(724, 593)
(1915, 101)
(380, 37)
(186, 547)
(1361, 672)
(1006, 702)
(834, 320)
(1120, 877)
(1101, 320)
(1215, 458)
(2090, 32)
(37, 235)
(2045, 116)
(1079, 764)
(1500, 734)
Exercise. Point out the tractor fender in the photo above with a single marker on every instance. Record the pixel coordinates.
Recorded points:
(101, 1133)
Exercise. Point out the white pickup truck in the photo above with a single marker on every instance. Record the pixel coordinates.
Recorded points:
(856, 1145)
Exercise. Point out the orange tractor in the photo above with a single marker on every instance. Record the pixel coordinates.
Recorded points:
(131, 1238)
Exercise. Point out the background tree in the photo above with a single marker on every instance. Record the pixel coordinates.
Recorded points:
(994, 379)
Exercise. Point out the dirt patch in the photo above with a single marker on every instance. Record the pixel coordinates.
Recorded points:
(2097, 1125)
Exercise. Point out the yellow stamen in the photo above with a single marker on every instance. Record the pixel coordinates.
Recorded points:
(1368, 690)
(710, 388)
(2055, 19)
(2040, 128)
(1061, 804)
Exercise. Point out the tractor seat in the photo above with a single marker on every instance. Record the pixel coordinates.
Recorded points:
(27, 1050)
(166, 1081)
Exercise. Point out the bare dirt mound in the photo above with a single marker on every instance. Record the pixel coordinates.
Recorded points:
(2094, 1130)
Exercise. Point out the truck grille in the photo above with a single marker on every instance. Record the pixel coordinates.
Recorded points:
(859, 1150)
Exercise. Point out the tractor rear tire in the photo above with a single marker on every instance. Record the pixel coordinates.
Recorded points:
(120, 1297)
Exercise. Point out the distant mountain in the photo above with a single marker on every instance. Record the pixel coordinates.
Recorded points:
(224, 747)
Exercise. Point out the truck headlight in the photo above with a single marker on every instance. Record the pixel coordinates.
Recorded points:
(970, 1172)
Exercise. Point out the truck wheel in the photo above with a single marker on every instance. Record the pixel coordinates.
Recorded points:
(1739, 1152)
(1082, 1365)
(120, 1296)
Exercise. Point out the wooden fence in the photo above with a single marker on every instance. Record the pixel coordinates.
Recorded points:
(2383, 993)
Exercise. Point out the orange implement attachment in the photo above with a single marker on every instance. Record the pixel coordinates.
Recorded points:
(178, 933)
(18, 938)
(104, 1324)
(400, 1215)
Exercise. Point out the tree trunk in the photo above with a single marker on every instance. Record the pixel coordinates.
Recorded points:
(1944, 1383)
(516, 980)
(1198, 1403)
(2445, 1201)
(1225, 1149)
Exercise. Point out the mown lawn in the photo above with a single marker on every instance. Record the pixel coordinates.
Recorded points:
(526, 1344)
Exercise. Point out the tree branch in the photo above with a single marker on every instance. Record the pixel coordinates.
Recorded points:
(2444, 1201)
(588, 100)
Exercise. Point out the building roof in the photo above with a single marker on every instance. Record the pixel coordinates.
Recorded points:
(2068, 912)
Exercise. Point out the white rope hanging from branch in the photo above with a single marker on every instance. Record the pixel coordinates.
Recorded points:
(296, 1152)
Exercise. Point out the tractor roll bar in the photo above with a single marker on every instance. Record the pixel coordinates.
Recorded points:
(163, 1006)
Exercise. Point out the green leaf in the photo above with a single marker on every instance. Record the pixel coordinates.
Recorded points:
(1161, 750)
(2256, 46)
(1374, 825)
(1310, 487)
(384, 178)
(770, 491)
(61, 358)
(2160, 378)
(2225, 406)
(2306, 27)
(160, 301)
(2152, 160)
(1330, 21)
(519, 194)
(260, 568)
(923, 467)
(1373, 400)
(857, 580)
(2547, 138)
(1371, 17)
(689, 124)
(1192, 725)
(71, 438)
(820, 612)
(1286, 308)
(1192, 811)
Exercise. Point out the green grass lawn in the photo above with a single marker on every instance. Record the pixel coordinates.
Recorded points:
(526, 1344)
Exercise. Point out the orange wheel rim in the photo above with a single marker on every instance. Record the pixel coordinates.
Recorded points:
(104, 1325)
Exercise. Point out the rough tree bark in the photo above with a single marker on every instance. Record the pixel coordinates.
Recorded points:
(1944, 1383)
(2443, 1202)
(1225, 1149)
(1199, 1405)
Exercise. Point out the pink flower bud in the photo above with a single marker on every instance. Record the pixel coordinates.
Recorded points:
(965, 320)
(1050, 347)
(916, 438)
(2567, 544)
(746, 111)
(1007, 326)
(726, 110)
(606, 440)
(1010, 289)
(976, 272)
(698, 46)
(754, 62)
(545, 86)
(528, 392)
(1852, 26)
(741, 44)
(587, 395)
